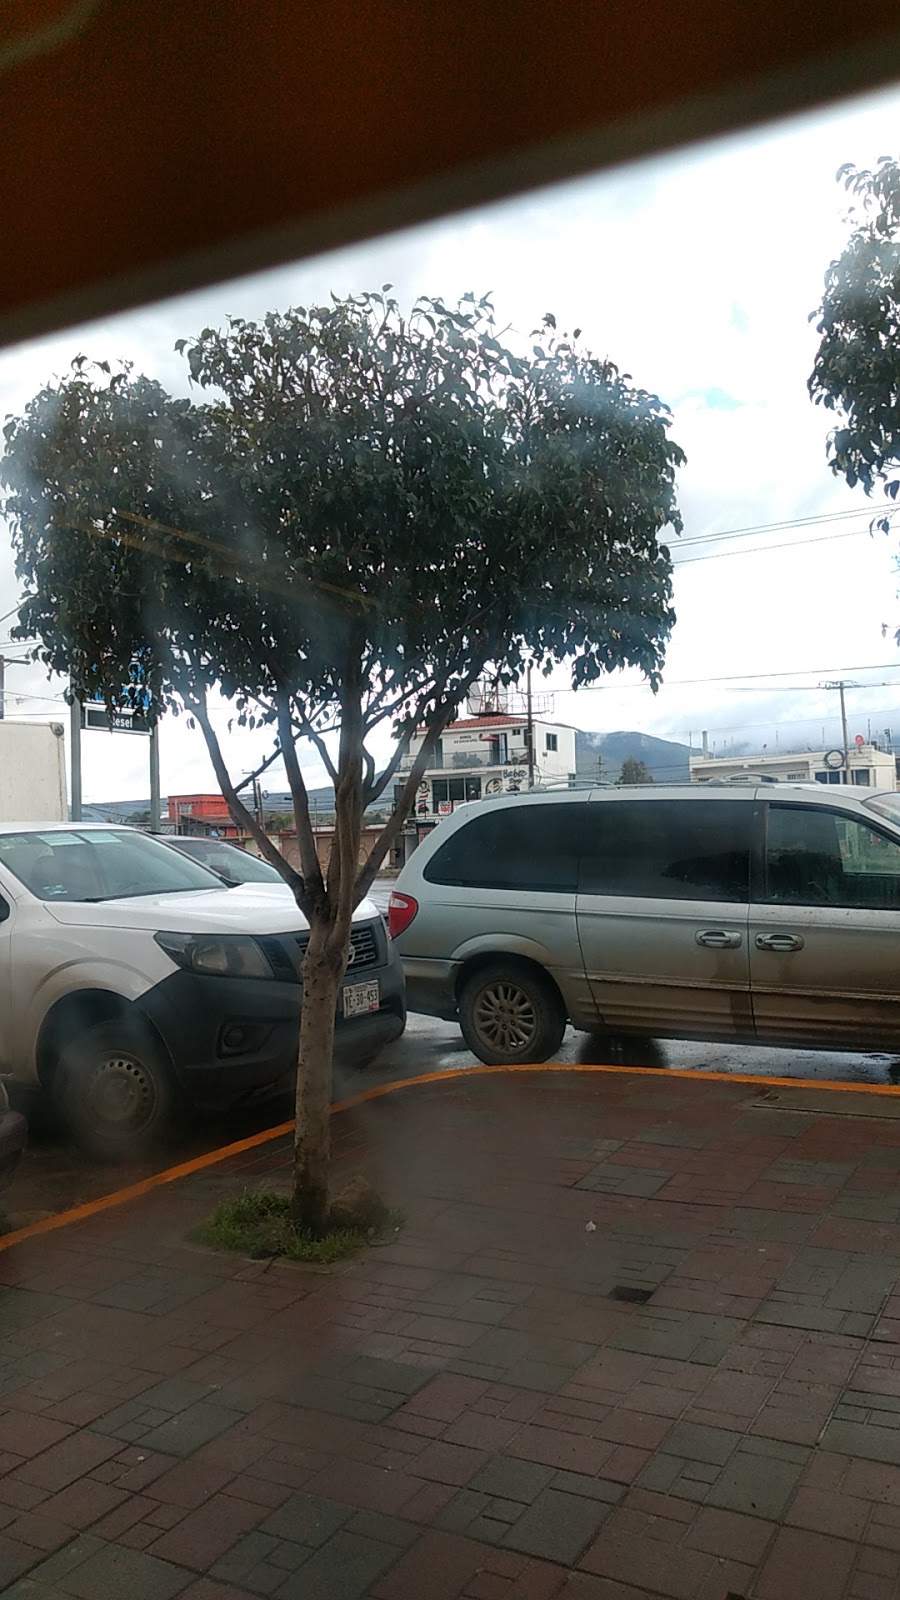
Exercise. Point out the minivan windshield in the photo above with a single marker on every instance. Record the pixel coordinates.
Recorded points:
(887, 805)
(99, 864)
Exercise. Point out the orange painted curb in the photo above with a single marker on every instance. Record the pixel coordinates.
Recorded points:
(184, 1169)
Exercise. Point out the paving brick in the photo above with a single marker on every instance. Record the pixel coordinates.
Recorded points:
(759, 1485)
(805, 1563)
(72, 1458)
(83, 1503)
(478, 1432)
(697, 1443)
(247, 1555)
(111, 1573)
(511, 1479)
(863, 1439)
(185, 1431)
(372, 1488)
(728, 1533)
(343, 1569)
(557, 1527)
(36, 1529)
(306, 1519)
(202, 1537)
(209, 1589)
(624, 1555)
(449, 1463)
(562, 1449)
(24, 1434)
(826, 1511)
(189, 1483)
(447, 1397)
(439, 1566)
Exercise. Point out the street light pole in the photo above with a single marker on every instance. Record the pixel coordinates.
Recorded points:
(154, 779)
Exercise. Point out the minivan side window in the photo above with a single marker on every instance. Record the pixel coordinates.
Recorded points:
(532, 847)
(816, 857)
(668, 850)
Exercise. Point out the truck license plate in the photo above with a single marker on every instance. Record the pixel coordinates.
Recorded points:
(360, 998)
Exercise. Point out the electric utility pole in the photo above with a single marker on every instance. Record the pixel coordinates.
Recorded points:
(529, 726)
(840, 685)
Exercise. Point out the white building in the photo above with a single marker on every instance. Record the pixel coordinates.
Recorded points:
(868, 767)
(483, 756)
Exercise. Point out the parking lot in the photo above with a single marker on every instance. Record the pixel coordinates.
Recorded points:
(55, 1176)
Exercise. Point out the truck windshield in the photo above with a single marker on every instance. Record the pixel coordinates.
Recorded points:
(235, 866)
(99, 864)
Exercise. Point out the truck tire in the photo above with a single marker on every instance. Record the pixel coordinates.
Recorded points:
(510, 1013)
(115, 1091)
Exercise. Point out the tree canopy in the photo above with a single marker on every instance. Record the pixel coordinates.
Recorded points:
(356, 513)
(635, 771)
(857, 366)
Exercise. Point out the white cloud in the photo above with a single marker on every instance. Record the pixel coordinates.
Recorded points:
(696, 273)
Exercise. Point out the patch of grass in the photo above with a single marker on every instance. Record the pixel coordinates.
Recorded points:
(258, 1223)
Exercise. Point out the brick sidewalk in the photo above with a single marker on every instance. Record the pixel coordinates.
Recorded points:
(699, 1398)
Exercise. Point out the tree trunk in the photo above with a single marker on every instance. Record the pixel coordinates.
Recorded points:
(322, 973)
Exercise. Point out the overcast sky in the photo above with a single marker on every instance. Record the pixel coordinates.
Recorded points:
(695, 273)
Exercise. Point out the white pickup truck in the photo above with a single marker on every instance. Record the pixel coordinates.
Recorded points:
(132, 978)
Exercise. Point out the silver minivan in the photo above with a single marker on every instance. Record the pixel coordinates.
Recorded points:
(762, 914)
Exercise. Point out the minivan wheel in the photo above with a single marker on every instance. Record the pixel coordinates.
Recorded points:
(115, 1091)
(509, 1013)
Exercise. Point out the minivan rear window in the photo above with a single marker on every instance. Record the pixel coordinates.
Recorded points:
(668, 850)
(531, 847)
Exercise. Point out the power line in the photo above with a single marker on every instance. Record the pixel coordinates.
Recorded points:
(760, 550)
(736, 677)
(820, 518)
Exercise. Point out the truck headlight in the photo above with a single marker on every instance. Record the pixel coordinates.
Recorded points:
(216, 955)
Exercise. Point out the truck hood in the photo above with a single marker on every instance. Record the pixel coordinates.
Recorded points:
(248, 908)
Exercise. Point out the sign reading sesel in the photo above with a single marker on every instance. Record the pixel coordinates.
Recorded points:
(360, 998)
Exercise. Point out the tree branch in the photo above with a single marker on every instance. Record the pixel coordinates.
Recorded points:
(375, 790)
(263, 767)
(306, 839)
(435, 725)
(309, 732)
(241, 817)
(368, 782)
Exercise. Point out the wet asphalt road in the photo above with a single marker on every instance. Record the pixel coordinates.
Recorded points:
(54, 1176)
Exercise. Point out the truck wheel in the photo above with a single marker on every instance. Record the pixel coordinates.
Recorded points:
(115, 1091)
(510, 1013)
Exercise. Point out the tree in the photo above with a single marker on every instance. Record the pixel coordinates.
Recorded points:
(634, 771)
(857, 366)
(361, 513)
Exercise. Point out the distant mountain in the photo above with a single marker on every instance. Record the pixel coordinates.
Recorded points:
(665, 759)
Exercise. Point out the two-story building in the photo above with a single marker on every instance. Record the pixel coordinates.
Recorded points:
(479, 757)
(866, 766)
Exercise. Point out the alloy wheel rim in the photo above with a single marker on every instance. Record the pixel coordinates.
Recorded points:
(505, 1017)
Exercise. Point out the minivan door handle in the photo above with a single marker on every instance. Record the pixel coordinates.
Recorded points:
(718, 939)
(781, 943)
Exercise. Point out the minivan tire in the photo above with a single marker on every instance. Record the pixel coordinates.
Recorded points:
(115, 1090)
(510, 1013)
